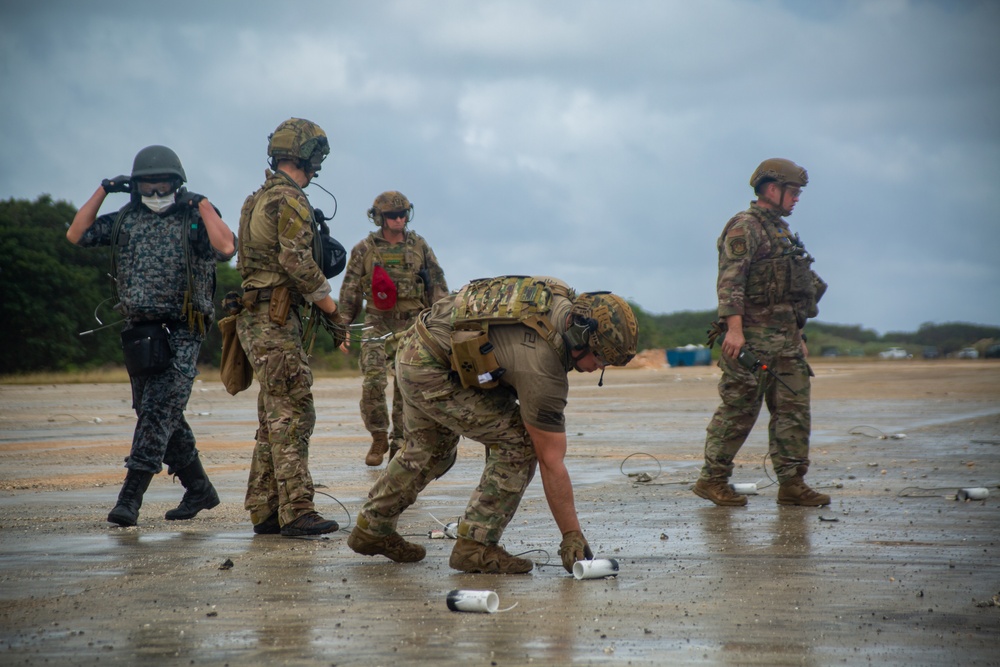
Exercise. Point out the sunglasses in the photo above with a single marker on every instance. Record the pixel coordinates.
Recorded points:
(394, 215)
(156, 188)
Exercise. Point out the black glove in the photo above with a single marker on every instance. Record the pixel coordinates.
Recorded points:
(116, 184)
(574, 547)
(331, 322)
(185, 198)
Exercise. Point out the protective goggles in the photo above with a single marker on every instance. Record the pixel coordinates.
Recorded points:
(156, 188)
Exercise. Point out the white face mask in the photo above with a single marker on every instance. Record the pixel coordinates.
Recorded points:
(159, 204)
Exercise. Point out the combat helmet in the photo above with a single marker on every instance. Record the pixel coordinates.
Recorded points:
(157, 161)
(300, 140)
(784, 172)
(612, 331)
(391, 200)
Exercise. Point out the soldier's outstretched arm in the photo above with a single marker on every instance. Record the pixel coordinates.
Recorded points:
(550, 447)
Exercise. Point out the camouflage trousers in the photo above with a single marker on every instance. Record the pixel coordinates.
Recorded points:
(162, 434)
(437, 411)
(742, 395)
(377, 361)
(279, 472)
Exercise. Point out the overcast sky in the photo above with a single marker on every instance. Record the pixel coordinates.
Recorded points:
(602, 142)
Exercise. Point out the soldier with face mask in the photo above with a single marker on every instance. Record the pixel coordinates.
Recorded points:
(767, 291)
(165, 244)
(490, 364)
(393, 274)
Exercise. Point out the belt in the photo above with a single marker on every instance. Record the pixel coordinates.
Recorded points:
(440, 353)
(255, 296)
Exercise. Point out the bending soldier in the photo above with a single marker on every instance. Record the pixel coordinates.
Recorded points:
(165, 244)
(491, 364)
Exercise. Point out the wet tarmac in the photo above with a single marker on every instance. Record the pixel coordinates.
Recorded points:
(895, 571)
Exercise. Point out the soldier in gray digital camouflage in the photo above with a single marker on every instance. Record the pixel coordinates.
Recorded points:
(393, 275)
(491, 364)
(281, 258)
(165, 244)
(767, 292)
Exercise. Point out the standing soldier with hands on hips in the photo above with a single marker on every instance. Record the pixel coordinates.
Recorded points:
(394, 274)
(491, 364)
(767, 291)
(280, 259)
(165, 244)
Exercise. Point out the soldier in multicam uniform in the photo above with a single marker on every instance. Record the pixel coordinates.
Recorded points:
(767, 292)
(410, 265)
(491, 364)
(165, 243)
(280, 255)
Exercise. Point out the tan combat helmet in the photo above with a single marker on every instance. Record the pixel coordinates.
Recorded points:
(391, 200)
(301, 140)
(784, 172)
(612, 328)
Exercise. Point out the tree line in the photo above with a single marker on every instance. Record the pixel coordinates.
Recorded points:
(53, 291)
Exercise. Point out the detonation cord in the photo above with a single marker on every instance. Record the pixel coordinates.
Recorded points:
(346, 511)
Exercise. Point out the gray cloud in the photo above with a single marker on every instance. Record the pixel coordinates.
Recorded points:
(605, 143)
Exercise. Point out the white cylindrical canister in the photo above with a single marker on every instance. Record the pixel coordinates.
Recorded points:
(599, 568)
(745, 488)
(973, 493)
(481, 601)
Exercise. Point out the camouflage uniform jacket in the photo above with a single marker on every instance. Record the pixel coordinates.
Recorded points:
(278, 240)
(535, 372)
(152, 270)
(754, 276)
(403, 262)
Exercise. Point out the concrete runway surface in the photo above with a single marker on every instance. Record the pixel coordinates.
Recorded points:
(895, 572)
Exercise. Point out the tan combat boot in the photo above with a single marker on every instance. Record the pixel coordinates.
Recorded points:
(380, 445)
(393, 546)
(471, 556)
(795, 491)
(719, 492)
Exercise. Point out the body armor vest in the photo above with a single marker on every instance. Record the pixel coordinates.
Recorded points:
(403, 262)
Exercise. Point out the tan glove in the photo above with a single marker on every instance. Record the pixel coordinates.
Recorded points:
(574, 547)
(333, 325)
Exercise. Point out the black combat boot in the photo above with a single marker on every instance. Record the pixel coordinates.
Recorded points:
(199, 494)
(126, 512)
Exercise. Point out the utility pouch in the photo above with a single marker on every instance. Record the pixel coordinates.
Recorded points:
(281, 302)
(473, 358)
(147, 349)
(234, 369)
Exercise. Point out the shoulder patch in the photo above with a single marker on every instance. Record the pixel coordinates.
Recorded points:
(294, 214)
(736, 246)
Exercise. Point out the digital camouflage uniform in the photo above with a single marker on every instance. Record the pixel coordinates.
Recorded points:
(402, 261)
(152, 280)
(757, 280)
(278, 250)
(438, 410)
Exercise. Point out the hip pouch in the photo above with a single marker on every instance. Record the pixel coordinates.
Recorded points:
(474, 359)
(147, 349)
(235, 369)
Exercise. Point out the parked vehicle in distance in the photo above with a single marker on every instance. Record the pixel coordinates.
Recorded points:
(968, 353)
(931, 352)
(993, 351)
(895, 353)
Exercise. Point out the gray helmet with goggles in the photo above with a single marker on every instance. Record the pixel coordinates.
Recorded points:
(155, 162)
(300, 140)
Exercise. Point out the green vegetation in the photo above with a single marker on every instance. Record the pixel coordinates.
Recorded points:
(53, 291)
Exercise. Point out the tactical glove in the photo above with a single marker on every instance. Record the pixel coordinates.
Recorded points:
(185, 198)
(116, 184)
(574, 547)
(331, 322)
